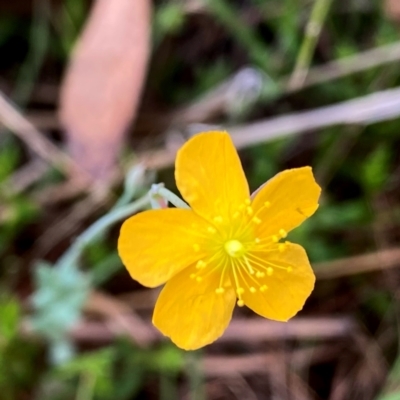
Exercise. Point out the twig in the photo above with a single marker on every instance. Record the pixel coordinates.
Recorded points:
(121, 318)
(219, 99)
(313, 30)
(258, 330)
(352, 64)
(358, 264)
(249, 364)
(12, 119)
(254, 330)
(373, 108)
(24, 177)
(366, 110)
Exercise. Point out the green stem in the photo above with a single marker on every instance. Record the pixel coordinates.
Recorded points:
(171, 197)
(313, 30)
(195, 375)
(229, 17)
(38, 46)
(86, 386)
(72, 255)
(168, 389)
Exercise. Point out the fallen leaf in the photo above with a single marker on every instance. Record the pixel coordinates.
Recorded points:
(103, 83)
(392, 9)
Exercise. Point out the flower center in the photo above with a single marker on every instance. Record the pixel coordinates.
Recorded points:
(234, 248)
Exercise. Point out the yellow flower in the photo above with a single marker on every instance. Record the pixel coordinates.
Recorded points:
(227, 248)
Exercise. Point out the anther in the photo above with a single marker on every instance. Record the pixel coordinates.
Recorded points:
(236, 215)
(249, 210)
(192, 276)
(196, 247)
(247, 202)
(283, 233)
(257, 220)
(263, 288)
(289, 269)
(260, 274)
(200, 264)
(270, 271)
(219, 290)
(253, 289)
(239, 291)
(281, 247)
(210, 229)
(218, 219)
(240, 303)
(275, 238)
(199, 279)
(267, 204)
(257, 240)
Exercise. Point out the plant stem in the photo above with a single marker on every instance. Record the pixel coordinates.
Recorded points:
(313, 30)
(71, 256)
(171, 197)
(195, 375)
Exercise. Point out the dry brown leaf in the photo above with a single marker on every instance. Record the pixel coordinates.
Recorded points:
(103, 83)
(392, 9)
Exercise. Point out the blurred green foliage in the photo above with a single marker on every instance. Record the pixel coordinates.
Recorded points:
(270, 43)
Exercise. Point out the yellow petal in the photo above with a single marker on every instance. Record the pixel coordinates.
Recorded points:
(191, 313)
(286, 291)
(157, 244)
(210, 177)
(286, 200)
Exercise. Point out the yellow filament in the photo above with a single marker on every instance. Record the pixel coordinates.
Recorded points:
(261, 263)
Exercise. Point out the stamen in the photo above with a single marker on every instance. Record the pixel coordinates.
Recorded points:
(196, 247)
(282, 247)
(283, 233)
(257, 240)
(253, 289)
(270, 271)
(263, 288)
(247, 202)
(257, 220)
(250, 276)
(260, 274)
(219, 290)
(275, 238)
(221, 279)
(239, 290)
(267, 250)
(267, 204)
(251, 270)
(267, 240)
(236, 215)
(204, 272)
(200, 264)
(218, 219)
(249, 210)
(210, 229)
(199, 279)
(261, 263)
